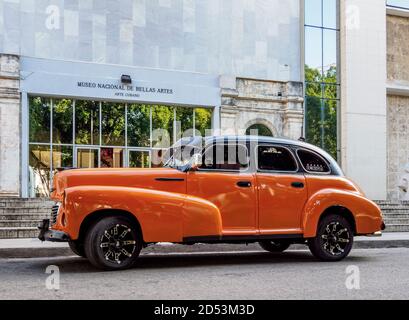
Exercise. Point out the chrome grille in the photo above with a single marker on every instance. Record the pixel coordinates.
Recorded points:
(54, 213)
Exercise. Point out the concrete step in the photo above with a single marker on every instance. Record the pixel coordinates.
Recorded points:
(395, 212)
(388, 211)
(397, 221)
(396, 216)
(6, 206)
(24, 210)
(388, 202)
(395, 208)
(28, 216)
(397, 228)
(18, 232)
(19, 223)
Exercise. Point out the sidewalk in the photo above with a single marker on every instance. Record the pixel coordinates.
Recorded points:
(34, 248)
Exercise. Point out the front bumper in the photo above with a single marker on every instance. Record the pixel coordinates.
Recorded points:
(378, 233)
(51, 235)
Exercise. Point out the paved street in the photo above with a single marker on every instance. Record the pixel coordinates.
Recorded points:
(248, 275)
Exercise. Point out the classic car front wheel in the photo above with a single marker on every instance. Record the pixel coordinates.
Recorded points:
(275, 246)
(77, 247)
(113, 243)
(334, 239)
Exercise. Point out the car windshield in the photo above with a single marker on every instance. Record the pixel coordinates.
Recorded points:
(183, 151)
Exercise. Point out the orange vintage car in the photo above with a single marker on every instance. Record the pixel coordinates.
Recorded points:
(213, 190)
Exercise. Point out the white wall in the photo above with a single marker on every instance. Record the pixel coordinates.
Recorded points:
(363, 78)
(247, 38)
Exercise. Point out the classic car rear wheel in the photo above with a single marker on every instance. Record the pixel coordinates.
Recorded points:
(77, 247)
(113, 243)
(275, 246)
(334, 239)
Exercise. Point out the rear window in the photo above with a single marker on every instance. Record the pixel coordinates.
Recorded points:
(312, 162)
(276, 159)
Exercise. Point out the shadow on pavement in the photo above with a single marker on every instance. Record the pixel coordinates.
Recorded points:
(169, 261)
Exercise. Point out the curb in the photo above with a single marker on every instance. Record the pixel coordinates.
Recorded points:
(48, 252)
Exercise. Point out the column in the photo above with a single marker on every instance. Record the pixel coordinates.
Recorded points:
(9, 126)
(363, 106)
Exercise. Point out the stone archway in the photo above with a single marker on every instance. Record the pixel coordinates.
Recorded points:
(264, 128)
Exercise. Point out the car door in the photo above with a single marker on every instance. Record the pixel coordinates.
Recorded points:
(224, 178)
(282, 190)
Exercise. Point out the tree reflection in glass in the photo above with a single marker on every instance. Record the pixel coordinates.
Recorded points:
(62, 121)
(40, 112)
(113, 124)
(203, 121)
(139, 125)
(87, 122)
(184, 122)
(39, 170)
(162, 126)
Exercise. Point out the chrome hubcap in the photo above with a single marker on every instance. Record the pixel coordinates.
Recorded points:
(118, 244)
(335, 238)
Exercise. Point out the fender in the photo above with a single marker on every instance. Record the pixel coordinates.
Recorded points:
(163, 216)
(367, 215)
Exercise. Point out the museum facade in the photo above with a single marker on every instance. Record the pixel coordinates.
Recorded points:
(112, 84)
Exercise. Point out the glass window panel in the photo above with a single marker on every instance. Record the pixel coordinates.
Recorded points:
(39, 170)
(313, 75)
(330, 91)
(139, 159)
(162, 126)
(312, 162)
(313, 89)
(330, 14)
(399, 3)
(330, 55)
(87, 122)
(225, 157)
(112, 158)
(276, 159)
(313, 12)
(330, 127)
(62, 121)
(62, 157)
(87, 158)
(40, 119)
(203, 121)
(184, 122)
(113, 124)
(313, 49)
(313, 120)
(139, 125)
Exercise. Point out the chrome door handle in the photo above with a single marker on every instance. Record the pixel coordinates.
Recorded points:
(244, 184)
(298, 185)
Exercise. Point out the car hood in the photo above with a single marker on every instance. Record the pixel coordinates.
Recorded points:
(126, 177)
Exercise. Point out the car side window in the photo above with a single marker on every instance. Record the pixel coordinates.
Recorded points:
(312, 162)
(276, 159)
(225, 157)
